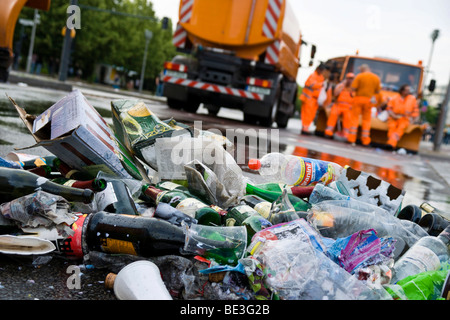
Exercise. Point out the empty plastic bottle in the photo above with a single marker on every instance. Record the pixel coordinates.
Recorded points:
(425, 255)
(295, 171)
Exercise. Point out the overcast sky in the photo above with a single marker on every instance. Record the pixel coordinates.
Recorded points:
(397, 29)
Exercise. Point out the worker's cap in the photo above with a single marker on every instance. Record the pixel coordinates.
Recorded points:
(350, 75)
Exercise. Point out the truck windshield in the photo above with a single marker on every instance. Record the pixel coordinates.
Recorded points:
(392, 75)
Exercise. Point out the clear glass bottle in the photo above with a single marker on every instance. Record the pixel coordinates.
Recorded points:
(425, 255)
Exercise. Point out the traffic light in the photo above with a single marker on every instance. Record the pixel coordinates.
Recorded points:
(165, 23)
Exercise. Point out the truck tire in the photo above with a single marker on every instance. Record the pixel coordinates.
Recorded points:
(270, 119)
(175, 104)
(191, 106)
(4, 74)
(282, 120)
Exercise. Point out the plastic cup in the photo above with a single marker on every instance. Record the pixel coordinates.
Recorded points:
(225, 245)
(140, 280)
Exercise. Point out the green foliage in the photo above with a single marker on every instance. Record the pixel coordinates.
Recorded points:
(104, 37)
(431, 115)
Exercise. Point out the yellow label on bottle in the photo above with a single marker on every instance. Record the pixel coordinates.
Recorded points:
(230, 222)
(263, 209)
(117, 246)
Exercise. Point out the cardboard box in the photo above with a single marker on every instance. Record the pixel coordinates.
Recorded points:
(75, 132)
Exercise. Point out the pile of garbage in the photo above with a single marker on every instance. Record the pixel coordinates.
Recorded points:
(168, 214)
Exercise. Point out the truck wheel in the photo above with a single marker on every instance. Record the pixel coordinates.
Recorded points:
(174, 104)
(4, 74)
(268, 120)
(282, 120)
(191, 106)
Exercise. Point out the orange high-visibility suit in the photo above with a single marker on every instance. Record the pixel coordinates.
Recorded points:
(366, 85)
(341, 107)
(309, 96)
(400, 110)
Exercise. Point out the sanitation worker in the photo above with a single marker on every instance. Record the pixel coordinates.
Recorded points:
(309, 96)
(343, 94)
(402, 110)
(366, 85)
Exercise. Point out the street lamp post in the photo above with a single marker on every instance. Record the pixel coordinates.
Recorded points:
(434, 36)
(439, 132)
(148, 37)
(36, 21)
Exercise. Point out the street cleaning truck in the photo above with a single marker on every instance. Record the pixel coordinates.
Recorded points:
(241, 54)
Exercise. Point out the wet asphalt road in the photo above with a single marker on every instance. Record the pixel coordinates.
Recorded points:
(424, 177)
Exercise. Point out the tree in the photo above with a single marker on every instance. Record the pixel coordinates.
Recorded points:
(106, 37)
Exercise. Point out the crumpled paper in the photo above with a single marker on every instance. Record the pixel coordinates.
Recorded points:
(40, 209)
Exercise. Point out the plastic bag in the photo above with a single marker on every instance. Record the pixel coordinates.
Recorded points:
(421, 286)
(297, 271)
(360, 250)
(341, 218)
(217, 176)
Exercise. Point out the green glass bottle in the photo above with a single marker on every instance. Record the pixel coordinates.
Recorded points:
(185, 203)
(245, 215)
(40, 161)
(93, 184)
(15, 183)
(43, 171)
(257, 203)
(298, 203)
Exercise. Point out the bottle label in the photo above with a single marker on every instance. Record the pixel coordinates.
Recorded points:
(230, 222)
(263, 209)
(189, 206)
(69, 183)
(424, 258)
(117, 246)
(168, 185)
(311, 171)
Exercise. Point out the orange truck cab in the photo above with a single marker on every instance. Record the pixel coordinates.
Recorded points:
(393, 74)
(9, 13)
(241, 54)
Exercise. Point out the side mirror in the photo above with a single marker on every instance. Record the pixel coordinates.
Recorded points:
(432, 85)
(313, 51)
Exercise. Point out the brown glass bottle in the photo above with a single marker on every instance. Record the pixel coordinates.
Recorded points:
(15, 183)
(136, 235)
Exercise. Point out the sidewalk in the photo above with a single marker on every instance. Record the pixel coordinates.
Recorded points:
(426, 149)
(44, 81)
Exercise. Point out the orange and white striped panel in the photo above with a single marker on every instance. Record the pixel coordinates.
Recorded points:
(180, 35)
(272, 53)
(213, 87)
(273, 13)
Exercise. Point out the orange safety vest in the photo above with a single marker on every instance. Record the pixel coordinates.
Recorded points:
(345, 97)
(312, 88)
(404, 106)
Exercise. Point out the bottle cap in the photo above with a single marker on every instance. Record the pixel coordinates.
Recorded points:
(109, 280)
(254, 164)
